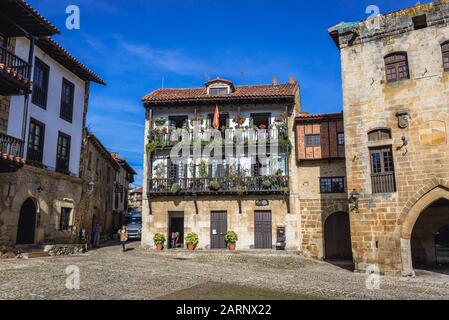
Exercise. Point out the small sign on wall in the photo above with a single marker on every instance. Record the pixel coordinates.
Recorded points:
(262, 203)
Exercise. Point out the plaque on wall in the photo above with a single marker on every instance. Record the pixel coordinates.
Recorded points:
(262, 203)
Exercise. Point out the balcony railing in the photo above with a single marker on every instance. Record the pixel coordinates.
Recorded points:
(167, 137)
(244, 185)
(11, 146)
(383, 182)
(14, 65)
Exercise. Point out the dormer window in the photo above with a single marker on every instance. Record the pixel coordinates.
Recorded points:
(218, 91)
(219, 87)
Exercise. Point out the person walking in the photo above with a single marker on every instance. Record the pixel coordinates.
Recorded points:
(123, 233)
(97, 235)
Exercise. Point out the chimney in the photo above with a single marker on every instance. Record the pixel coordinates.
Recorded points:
(275, 81)
(292, 80)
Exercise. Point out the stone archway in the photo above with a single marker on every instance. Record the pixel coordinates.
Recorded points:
(409, 221)
(26, 227)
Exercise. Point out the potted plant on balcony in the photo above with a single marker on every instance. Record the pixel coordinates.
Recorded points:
(192, 240)
(152, 146)
(214, 185)
(175, 188)
(231, 239)
(160, 122)
(239, 120)
(266, 183)
(159, 241)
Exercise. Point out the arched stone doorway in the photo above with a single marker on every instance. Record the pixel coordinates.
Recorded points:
(442, 246)
(420, 228)
(337, 237)
(432, 219)
(26, 227)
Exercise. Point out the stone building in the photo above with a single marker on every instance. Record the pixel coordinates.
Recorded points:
(135, 199)
(395, 73)
(41, 129)
(124, 177)
(98, 174)
(323, 205)
(211, 192)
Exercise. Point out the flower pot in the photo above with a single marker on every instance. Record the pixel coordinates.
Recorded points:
(159, 247)
(231, 246)
(191, 246)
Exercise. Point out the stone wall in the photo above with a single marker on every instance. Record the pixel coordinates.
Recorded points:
(316, 207)
(199, 221)
(382, 227)
(51, 192)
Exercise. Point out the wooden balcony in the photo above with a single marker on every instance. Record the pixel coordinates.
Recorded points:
(11, 153)
(383, 182)
(14, 74)
(220, 186)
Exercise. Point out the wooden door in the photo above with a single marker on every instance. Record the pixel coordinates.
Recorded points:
(337, 237)
(218, 229)
(263, 230)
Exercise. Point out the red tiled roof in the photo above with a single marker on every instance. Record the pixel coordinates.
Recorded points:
(123, 163)
(57, 52)
(242, 92)
(307, 116)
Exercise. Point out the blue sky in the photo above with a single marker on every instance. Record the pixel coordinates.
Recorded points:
(136, 45)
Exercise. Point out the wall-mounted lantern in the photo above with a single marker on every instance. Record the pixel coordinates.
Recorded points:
(354, 200)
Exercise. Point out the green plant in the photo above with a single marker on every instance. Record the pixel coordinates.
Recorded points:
(159, 238)
(279, 172)
(160, 122)
(214, 185)
(152, 146)
(192, 238)
(231, 237)
(266, 183)
(175, 188)
(284, 143)
(202, 169)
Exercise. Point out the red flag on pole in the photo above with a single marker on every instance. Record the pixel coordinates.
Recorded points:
(216, 122)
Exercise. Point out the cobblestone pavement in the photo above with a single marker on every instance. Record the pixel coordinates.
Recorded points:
(107, 273)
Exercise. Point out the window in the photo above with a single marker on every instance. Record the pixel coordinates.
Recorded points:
(396, 66)
(261, 120)
(313, 140)
(40, 83)
(445, 50)
(64, 224)
(340, 138)
(63, 153)
(379, 135)
(89, 161)
(178, 122)
(67, 96)
(36, 142)
(218, 91)
(420, 22)
(332, 185)
(382, 170)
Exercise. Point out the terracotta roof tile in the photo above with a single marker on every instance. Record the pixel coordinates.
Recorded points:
(308, 117)
(241, 92)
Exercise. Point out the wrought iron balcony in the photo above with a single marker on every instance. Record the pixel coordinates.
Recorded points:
(14, 74)
(11, 153)
(167, 138)
(244, 185)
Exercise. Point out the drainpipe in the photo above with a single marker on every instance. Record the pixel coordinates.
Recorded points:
(27, 96)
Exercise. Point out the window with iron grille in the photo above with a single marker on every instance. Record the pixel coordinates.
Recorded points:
(382, 170)
(396, 66)
(340, 138)
(313, 140)
(445, 50)
(332, 185)
(63, 153)
(67, 96)
(64, 224)
(36, 142)
(40, 84)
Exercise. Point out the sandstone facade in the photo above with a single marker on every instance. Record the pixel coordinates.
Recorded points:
(415, 110)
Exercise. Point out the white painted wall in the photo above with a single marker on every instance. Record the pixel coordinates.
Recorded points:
(50, 116)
